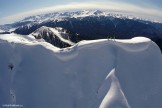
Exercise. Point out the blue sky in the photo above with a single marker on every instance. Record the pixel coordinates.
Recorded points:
(12, 10)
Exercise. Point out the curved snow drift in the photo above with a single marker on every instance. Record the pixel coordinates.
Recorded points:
(44, 76)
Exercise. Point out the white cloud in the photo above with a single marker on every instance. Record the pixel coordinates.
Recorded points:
(111, 6)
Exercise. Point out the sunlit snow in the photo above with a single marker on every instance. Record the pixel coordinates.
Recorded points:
(91, 74)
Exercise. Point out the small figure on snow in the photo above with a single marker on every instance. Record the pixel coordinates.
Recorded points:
(11, 66)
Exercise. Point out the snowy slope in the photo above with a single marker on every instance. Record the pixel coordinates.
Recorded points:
(91, 74)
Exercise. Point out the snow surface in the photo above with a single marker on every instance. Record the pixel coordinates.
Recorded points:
(1, 31)
(91, 74)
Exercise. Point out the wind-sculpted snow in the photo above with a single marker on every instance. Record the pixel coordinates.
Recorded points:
(114, 97)
(91, 74)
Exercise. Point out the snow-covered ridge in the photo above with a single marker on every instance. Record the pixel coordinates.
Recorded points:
(15, 38)
(91, 74)
(56, 31)
(134, 40)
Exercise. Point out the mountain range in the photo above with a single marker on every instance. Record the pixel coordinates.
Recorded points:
(86, 25)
